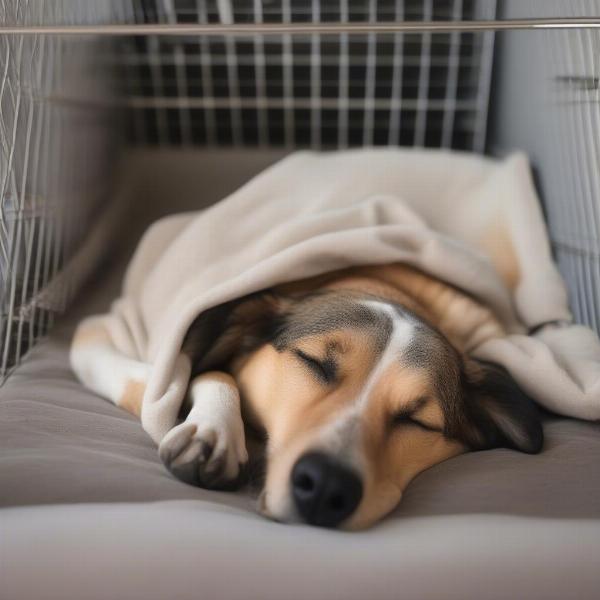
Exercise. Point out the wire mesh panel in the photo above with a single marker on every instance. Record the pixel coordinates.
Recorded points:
(55, 144)
(423, 89)
(547, 102)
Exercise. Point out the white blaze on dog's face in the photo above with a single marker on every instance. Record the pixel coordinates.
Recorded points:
(357, 396)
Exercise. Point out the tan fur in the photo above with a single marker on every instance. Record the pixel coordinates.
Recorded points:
(91, 332)
(499, 247)
(396, 456)
(462, 319)
(132, 397)
(267, 377)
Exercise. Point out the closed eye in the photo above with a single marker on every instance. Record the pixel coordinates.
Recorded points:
(325, 370)
(408, 419)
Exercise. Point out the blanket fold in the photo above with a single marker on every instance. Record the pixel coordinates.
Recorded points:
(473, 222)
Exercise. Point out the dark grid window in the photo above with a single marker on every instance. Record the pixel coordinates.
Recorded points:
(427, 89)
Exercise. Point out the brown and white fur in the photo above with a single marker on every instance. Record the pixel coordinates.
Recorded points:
(359, 380)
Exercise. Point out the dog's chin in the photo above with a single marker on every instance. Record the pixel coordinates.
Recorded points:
(371, 513)
(282, 510)
(279, 508)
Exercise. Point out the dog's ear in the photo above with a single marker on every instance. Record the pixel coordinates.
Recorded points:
(500, 414)
(233, 328)
(254, 321)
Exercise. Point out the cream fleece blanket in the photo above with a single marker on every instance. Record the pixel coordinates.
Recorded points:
(471, 221)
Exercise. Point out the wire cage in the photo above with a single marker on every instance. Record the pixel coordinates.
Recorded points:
(55, 160)
(324, 74)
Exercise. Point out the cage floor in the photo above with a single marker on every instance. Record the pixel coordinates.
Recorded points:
(90, 512)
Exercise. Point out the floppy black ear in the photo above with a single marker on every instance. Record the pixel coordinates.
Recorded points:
(500, 413)
(232, 328)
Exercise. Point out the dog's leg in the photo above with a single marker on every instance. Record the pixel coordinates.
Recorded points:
(104, 370)
(209, 448)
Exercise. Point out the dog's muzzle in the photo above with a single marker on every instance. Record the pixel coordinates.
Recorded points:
(325, 492)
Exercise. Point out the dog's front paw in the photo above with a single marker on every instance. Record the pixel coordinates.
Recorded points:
(211, 456)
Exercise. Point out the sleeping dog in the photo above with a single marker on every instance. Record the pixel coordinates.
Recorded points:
(359, 379)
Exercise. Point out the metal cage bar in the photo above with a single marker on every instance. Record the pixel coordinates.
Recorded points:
(244, 29)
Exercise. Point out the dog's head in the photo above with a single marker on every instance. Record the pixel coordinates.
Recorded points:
(357, 396)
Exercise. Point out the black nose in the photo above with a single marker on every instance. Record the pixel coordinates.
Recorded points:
(325, 492)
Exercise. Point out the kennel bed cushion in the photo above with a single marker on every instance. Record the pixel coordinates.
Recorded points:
(89, 512)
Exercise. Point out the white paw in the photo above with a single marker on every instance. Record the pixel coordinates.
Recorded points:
(207, 454)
